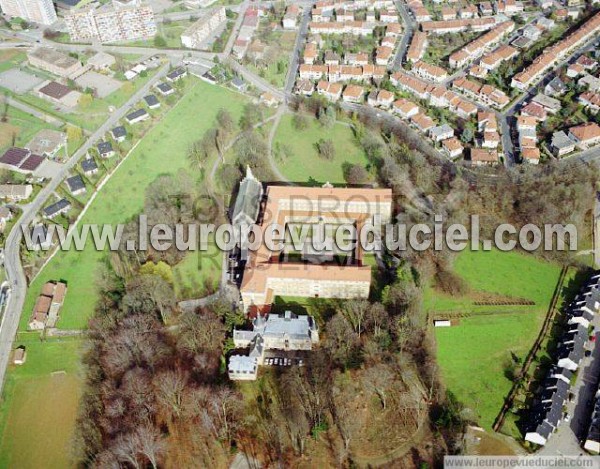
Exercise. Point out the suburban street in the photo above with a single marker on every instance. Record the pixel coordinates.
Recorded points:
(12, 259)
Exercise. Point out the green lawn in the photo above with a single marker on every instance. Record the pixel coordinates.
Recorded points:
(303, 162)
(472, 357)
(163, 150)
(474, 353)
(497, 273)
(19, 126)
(10, 58)
(38, 409)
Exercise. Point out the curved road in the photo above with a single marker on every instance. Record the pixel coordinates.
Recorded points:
(12, 260)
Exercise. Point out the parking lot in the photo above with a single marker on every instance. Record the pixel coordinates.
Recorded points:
(19, 82)
(103, 84)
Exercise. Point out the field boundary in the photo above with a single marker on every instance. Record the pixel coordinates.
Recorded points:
(508, 401)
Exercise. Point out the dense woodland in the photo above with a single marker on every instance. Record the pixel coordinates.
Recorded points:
(157, 392)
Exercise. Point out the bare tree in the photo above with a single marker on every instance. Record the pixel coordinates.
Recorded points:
(151, 443)
(378, 379)
(170, 386)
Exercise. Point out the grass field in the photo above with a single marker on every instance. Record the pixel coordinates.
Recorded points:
(39, 404)
(304, 163)
(38, 410)
(163, 150)
(10, 58)
(474, 353)
(490, 273)
(19, 126)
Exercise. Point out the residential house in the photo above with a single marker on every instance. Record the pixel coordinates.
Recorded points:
(76, 185)
(441, 132)
(561, 143)
(15, 192)
(152, 101)
(353, 94)
(484, 157)
(551, 105)
(331, 58)
(20, 160)
(119, 134)
(429, 72)
(535, 110)
(405, 109)
(105, 149)
(137, 116)
(417, 47)
(47, 142)
(286, 332)
(381, 98)
(176, 74)
(165, 89)
(452, 147)
(422, 122)
(57, 208)
(89, 166)
(5, 216)
(290, 18)
(238, 84)
(530, 155)
(585, 135)
(590, 101)
(332, 91)
(555, 87)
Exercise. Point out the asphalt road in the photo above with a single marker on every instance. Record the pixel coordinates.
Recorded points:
(410, 26)
(295, 62)
(12, 260)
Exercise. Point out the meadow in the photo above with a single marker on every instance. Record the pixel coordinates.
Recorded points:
(19, 128)
(39, 404)
(162, 151)
(303, 162)
(476, 354)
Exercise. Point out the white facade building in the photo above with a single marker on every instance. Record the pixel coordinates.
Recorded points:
(36, 11)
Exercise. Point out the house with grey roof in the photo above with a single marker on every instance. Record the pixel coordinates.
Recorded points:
(165, 89)
(441, 132)
(552, 105)
(105, 149)
(76, 185)
(152, 101)
(137, 116)
(555, 87)
(561, 143)
(57, 208)
(276, 332)
(547, 411)
(89, 166)
(238, 84)
(119, 133)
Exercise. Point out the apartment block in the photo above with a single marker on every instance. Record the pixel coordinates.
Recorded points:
(198, 32)
(119, 21)
(36, 11)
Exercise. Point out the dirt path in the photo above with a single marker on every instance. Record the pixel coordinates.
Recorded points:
(399, 451)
